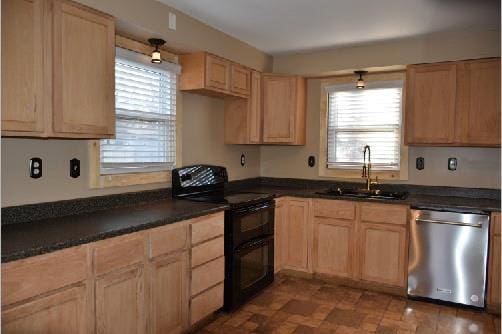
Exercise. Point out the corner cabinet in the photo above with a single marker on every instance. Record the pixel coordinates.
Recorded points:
(454, 103)
(283, 109)
(64, 87)
(244, 117)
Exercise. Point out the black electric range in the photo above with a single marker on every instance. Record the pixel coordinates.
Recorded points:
(249, 229)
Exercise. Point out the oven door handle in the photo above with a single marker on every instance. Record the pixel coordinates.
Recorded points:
(254, 209)
(254, 244)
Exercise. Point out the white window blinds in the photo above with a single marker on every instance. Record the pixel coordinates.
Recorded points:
(145, 104)
(359, 117)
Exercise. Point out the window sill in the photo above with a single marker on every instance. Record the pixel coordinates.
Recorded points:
(130, 179)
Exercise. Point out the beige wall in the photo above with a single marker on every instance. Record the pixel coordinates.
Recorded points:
(477, 167)
(202, 130)
(149, 18)
(202, 141)
(431, 48)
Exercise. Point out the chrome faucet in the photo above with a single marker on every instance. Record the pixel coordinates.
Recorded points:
(367, 169)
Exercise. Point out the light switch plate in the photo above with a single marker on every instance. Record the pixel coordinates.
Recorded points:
(172, 21)
(452, 163)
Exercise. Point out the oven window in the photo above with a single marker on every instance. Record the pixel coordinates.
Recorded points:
(254, 266)
(254, 221)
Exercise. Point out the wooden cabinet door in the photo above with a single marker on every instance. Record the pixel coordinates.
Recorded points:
(383, 253)
(169, 294)
(333, 247)
(279, 95)
(240, 80)
(478, 104)
(83, 71)
(494, 263)
(64, 311)
(255, 111)
(294, 231)
(120, 302)
(430, 103)
(22, 66)
(217, 73)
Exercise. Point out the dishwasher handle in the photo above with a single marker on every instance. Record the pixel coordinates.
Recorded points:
(444, 222)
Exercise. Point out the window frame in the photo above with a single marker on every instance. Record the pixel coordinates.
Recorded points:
(98, 180)
(351, 173)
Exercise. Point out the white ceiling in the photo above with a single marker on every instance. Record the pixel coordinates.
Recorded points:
(282, 26)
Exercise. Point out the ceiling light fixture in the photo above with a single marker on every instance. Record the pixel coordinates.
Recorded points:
(360, 82)
(156, 42)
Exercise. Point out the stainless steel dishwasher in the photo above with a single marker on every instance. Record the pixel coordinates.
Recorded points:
(447, 256)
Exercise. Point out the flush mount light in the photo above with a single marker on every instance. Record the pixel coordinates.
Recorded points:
(156, 42)
(360, 82)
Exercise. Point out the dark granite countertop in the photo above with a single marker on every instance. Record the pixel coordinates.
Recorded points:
(21, 240)
(414, 200)
(41, 228)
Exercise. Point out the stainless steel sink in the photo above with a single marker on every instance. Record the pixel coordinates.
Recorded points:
(364, 193)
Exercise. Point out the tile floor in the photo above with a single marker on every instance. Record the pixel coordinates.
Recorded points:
(294, 305)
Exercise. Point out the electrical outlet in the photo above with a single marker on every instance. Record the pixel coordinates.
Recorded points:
(420, 163)
(74, 168)
(243, 159)
(35, 168)
(311, 161)
(452, 164)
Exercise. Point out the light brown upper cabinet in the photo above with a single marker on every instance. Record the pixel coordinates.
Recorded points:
(478, 102)
(63, 85)
(244, 117)
(22, 74)
(454, 103)
(283, 109)
(430, 103)
(207, 74)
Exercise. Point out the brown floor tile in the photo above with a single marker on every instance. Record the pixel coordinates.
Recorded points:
(296, 305)
(300, 307)
(347, 318)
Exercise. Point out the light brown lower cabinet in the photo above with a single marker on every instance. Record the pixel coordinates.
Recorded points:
(168, 291)
(136, 283)
(278, 218)
(295, 232)
(333, 246)
(120, 302)
(494, 264)
(383, 253)
(59, 312)
(359, 241)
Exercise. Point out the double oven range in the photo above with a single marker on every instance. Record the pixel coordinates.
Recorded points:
(249, 229)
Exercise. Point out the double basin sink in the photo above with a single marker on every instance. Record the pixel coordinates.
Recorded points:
(364, 193)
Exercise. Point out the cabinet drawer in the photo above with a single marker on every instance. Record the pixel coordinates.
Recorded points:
(207, 275)
(206, 303)
(40, 274)
(384, 213)
(208, 227)
(118, 252)
(207, 251)
(496, 223)
(335, 209)
(168, 239)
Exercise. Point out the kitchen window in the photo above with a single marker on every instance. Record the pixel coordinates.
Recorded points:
(356, 117)
(145, 147)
